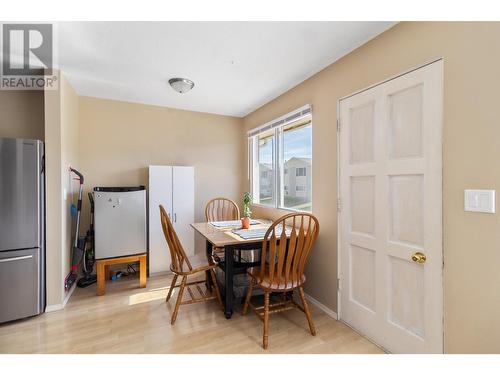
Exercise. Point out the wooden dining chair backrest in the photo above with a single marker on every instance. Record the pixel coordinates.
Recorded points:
(177, 254)
(290, 253)
(222, 209)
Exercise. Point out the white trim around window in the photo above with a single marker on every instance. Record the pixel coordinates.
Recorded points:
(290, 117)
(270, 153)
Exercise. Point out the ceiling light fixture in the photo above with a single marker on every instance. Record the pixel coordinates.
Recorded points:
(181, 85)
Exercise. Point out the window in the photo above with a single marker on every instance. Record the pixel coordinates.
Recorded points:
(280, 162)
(266, 167)
(300, 171)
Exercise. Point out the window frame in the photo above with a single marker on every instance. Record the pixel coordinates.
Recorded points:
(278, 158)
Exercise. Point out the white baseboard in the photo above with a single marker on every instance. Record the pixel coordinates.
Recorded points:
(51, 308)
(322, 307)
(68, 295)
(60, 306)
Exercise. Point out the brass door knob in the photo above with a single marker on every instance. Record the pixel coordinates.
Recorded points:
(419, 257)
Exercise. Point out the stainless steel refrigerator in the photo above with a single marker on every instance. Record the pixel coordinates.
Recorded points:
(22, 229)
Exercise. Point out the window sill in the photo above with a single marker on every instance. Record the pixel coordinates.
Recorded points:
(279, 208)
(293, 210)
(262, 205)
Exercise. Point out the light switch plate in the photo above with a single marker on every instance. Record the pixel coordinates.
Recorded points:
(479, 201)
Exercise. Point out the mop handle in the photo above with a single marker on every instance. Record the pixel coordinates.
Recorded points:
(80, 176)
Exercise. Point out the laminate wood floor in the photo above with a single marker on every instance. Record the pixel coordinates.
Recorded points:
(128, 319)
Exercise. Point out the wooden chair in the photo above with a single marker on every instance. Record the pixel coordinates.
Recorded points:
(186, 266)
(221, 209)
(283, 261)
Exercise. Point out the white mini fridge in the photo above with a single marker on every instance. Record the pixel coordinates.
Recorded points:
(119, 221)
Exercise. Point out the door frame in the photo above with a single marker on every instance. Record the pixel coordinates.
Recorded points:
(338, 126)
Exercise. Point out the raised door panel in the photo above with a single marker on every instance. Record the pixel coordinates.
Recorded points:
(361, 127)
(406, 209)
(363, 266)
(405, 122)
(363, 204)
(407, 296)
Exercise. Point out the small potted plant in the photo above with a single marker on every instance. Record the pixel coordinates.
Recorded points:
(247, 200)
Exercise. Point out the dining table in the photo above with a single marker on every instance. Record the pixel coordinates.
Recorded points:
(220, 235)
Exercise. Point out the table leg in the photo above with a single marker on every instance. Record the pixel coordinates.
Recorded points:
(101, 282)
(208, 278)
(228, 280)
(142, 271)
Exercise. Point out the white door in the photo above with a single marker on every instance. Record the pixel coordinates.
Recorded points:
(183, 206)
(160, 192)
(391, 212)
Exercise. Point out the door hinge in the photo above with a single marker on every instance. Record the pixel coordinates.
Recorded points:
(338, 284)
(339, 205)
(338, 125)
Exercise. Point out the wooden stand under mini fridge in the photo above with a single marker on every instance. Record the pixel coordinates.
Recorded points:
(172, 187)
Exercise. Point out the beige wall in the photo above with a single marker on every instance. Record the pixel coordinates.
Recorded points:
(69, 157)
(61, 150)
(118, 141)
(22, 114)
(471, 155)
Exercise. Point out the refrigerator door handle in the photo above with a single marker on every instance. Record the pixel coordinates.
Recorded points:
(16, 258)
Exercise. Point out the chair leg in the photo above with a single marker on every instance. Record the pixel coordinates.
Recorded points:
(307, 312)
(247, 299)
(216, 285)
(208, 281)
(179, 300)
(171, 288)
(265, 339)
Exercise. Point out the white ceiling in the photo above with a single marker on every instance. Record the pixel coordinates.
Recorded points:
(236, 66)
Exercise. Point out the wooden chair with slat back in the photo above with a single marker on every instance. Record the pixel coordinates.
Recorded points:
(283, 260)
(185, 266)
(221, 209)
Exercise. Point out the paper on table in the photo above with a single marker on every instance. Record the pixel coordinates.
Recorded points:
(248, 234)
(232, 223)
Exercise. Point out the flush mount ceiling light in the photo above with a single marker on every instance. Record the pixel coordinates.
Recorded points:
(181, 85)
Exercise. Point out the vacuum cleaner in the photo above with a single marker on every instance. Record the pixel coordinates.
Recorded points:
(89, 253)
(83, 246)
(78, 248)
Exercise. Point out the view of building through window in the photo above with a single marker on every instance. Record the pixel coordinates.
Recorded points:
(284, 180)
(297, 155)
(266, 169)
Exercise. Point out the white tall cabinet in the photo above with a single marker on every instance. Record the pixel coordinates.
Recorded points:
(172, 187)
